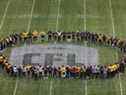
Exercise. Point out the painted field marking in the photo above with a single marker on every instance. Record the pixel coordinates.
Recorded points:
(112, 18)
(39, 93)
(5, 13)
(86, 60)
(85, 15)
(52, 16)
(114, 34)
(57, 19)
(16, 86)
(85, 28)
(30, 20)
(51, 87)
(86, 88)
(57, 23)
(120, 84)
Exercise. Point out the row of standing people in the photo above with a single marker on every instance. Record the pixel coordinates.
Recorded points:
(70, 72)
(82, 71)
(91, 37)
(63, 36)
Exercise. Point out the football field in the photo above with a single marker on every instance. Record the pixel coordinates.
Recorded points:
(100, 16)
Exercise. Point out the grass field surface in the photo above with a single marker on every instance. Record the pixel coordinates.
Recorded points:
(100, 16)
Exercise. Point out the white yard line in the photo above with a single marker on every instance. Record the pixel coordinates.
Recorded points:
(114, 34)
(57, 20)
(86, 87)
(53, 16)
(85, 16)
(112, 18)
(5, 13)
(57, 23)
(16, 86)
(32, 9)
(120, 84)
(39, 93)
(85, 28)
(120, 81)
(51, 87)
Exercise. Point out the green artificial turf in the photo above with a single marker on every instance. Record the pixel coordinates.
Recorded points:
(68, 15)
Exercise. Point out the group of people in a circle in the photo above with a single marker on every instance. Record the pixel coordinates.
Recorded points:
(82, 71)
(90, 37)
(40, 71)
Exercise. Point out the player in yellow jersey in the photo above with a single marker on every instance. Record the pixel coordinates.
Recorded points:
(35, 35)
(63, 71)
(24, 35)
(100, 38)
(43, 36)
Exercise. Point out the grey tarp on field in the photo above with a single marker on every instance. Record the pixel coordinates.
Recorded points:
(55, 54)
